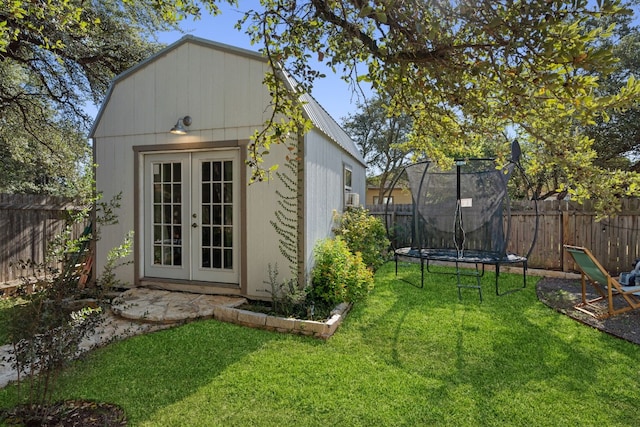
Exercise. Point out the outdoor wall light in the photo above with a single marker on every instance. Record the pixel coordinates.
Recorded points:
(179, 128)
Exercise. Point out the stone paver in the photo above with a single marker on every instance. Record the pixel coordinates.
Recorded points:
(152, 305)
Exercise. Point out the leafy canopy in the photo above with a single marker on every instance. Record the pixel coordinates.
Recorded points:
(56, 57)
(471, 74)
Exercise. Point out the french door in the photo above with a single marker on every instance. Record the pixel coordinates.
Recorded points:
(191, 213)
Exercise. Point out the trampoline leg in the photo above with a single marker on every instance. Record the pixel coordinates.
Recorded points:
(395, 257)
(421, 272)
(524, 279)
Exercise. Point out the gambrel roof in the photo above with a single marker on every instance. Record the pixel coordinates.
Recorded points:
(320, 118)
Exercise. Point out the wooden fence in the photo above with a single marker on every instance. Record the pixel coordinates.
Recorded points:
(614, 241)
(28, 223)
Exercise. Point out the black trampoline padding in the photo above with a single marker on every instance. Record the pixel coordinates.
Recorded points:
(469, 256)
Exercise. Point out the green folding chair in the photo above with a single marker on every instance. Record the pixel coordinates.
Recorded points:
(606, 286)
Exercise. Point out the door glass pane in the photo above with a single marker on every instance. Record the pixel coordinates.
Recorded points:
(228, 215)
(217, 236)
(217, 213)
(177, 217)
(228, 192)
(206, 217)
(206, 193)
(206, 236)
(228, 258)
(166, 172)
(217, 173)
(206, 171)
(177, 193)
(206, 258)
(228, 237)
(157, 193)
(228, 171)
(217, 258)
(167, 213)
(217, 193)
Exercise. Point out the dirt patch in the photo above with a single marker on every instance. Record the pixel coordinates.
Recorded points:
(564, 294)
(71, 413)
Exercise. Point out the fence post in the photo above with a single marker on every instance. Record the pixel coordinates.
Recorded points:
(566, 235)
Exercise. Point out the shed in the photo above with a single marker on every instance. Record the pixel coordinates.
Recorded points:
(198, 224)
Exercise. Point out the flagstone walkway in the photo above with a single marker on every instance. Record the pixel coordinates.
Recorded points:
(139, 311)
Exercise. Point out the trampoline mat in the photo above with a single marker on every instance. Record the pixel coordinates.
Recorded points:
(470, 256)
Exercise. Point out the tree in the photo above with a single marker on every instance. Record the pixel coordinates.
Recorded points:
(469, 73)
(62, 168)
(380, 137)
(617, 141)
(56, 57)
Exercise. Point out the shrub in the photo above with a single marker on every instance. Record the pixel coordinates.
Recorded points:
(47, 329)
(339, 275)
(365, 234)
(287, 296)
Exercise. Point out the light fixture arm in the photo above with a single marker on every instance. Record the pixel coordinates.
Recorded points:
(179, 128)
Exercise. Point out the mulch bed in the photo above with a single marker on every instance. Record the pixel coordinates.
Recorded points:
(70, 413)
(564, 294)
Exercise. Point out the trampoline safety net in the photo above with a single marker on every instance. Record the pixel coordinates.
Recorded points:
(459, 213)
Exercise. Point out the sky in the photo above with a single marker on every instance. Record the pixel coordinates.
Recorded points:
(331, 92)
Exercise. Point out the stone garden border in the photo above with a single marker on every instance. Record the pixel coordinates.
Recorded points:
(323, 330)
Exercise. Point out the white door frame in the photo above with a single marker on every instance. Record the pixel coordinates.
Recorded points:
(180, 227)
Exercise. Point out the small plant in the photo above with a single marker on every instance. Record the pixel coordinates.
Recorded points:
(339, 275)
(365, 234)
(108, 281)
(288, 299)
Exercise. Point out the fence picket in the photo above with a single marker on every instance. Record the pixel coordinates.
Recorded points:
(614, 241)
(28, 223)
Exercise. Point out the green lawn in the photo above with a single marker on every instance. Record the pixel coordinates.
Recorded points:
(405, 356)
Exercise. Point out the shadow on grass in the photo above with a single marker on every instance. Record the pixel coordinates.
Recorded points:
(494, 357)
(404, 356)
(149, 372)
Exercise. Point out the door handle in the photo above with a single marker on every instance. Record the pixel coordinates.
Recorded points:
(194, 225)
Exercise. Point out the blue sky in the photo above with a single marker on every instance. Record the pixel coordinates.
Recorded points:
(331, 92)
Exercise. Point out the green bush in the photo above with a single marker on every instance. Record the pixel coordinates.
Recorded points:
(365, 234)
(339, 275)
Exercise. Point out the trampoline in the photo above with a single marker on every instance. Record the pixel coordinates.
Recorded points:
(462, 216)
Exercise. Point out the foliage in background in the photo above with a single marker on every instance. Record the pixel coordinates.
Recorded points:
(380, 137)
(617, 140)
(339, 275)
(57, 58)
(365, 234)
(469, 74)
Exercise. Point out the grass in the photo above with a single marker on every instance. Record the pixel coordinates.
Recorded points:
(405, 356)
